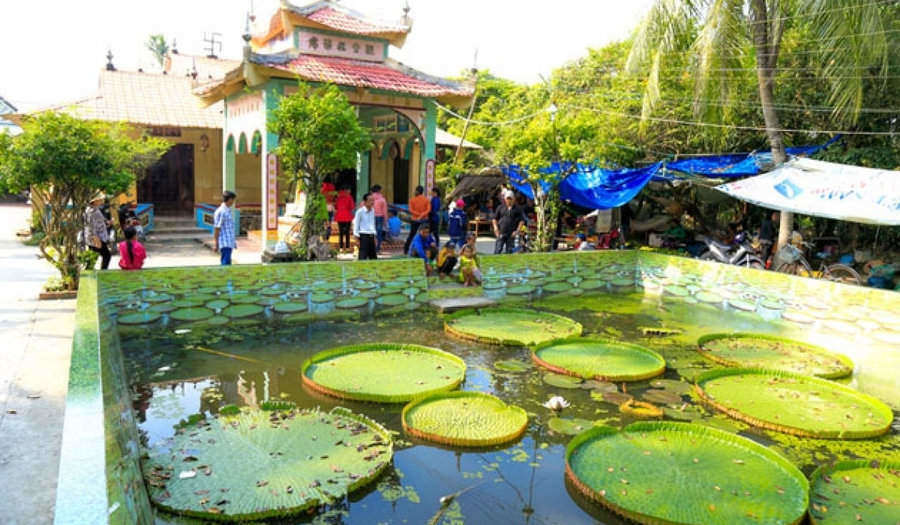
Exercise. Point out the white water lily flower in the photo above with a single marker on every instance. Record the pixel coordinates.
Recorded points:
(556, 403)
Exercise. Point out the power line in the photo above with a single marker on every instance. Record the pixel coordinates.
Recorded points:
(733, 126)
(845, 8)
(493, 123)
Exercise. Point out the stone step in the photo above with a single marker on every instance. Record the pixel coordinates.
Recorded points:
(175, 222)
(187, 230)
(168, 238)
(459, 303)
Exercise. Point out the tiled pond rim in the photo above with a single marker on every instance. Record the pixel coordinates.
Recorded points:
(99, 476)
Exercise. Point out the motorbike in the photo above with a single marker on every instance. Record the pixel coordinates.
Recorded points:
(740, 253)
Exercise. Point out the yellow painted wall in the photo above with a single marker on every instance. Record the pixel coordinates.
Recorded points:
(381, 171)
(248, 178)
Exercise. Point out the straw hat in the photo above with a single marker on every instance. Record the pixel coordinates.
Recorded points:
(99, 196)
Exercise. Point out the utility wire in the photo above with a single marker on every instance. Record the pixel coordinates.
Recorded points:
(796, 108)
(492, 123)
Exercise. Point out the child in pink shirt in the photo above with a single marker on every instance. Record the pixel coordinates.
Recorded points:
(131, 252)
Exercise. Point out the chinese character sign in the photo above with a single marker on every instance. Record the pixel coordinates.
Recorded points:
(272, 192)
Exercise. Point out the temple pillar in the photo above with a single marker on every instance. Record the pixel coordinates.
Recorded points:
(363, 180)
(228, 169)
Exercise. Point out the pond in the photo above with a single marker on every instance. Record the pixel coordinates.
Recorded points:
(174, 377)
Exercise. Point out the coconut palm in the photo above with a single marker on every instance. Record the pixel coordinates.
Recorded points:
(721, 38)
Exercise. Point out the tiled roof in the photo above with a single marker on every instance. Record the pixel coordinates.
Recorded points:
(389, 76)
(207, 68)
(146, 98)
(346, 22)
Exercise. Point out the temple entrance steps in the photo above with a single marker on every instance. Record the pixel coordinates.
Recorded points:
(176, 229)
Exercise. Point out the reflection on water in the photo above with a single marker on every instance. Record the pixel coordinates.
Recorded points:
(520, 483)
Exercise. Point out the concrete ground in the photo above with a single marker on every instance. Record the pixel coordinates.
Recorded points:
(34, 374)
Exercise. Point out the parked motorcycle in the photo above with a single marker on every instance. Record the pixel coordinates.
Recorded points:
(740, 253)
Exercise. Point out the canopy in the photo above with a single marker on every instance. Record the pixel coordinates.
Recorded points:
(591, 187)
(736, 165)
(825, 189)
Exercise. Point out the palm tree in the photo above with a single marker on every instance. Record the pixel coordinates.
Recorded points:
(721, 38)
(157, 45)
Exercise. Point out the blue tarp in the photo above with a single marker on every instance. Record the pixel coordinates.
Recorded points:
(595, 188)
(591, 187)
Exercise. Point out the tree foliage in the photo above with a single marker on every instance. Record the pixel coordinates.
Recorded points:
(318, 133)
(65, 161)
(157, 45)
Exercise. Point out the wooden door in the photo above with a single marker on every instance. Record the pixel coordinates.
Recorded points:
(169, 184)
(401, 180)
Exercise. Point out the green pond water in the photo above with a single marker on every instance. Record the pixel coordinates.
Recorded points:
(523, 482)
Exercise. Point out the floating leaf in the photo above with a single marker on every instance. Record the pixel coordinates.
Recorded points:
(776, 353)
(569, 426)
(383, 372)
(870, 494)
(142, 317)
(640, 409)
(671, 468)
(242, 310)
(794, 404)
(506, 326)
(599, 359)
(512, 365)
(561, 380)
(191, 314)
(464, 419)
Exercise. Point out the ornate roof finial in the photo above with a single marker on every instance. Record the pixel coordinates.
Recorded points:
(247, 36)
(406, 10)
(194, 70)
(252, 16)
(109, 62)
(174, 46)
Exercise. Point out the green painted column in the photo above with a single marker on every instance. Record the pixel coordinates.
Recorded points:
(362, 175)
(428, 152)
(228, 182)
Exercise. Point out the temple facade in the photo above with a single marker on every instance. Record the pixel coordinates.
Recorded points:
(324, 42)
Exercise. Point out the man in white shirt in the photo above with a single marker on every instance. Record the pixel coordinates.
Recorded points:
(364, 228)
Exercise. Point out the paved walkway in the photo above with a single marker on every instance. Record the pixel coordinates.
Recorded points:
(34, 375)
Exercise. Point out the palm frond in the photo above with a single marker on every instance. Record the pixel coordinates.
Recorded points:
(853, 39)
(717, 53)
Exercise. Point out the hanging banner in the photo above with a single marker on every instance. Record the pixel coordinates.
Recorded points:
(429, 176)
(825, 189)
(271, 191)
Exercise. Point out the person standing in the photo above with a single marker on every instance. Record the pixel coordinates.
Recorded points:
(96, 230)
(223, 232)
(508, 218)
(364, 228)
(328, 191)
(420, 209)
(434, 216)
(456, 226)
(343, 212)
(381, 216)
(131, 252)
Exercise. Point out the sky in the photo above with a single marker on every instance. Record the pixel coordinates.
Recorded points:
(51, 51)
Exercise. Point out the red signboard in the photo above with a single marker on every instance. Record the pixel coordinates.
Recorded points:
(272, 192)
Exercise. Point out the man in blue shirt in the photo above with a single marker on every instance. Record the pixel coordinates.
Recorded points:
(223, 224)
(423, 247)
(434, 218)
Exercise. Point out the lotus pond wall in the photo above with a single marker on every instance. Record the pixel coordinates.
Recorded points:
(100, 479)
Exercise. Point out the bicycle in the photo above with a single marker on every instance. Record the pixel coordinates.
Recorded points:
(793, 262)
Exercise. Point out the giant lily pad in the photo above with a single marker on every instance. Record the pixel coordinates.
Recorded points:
(680, 473)
(258, 464)
(191, 314)
(470, 419)
(794, 404)
(569, 426)
(861, 491)
(507, 326)
(242, 310)
(142, 317)
(765, 351)
(562, 380)
(599, 359)
(287, 307)
(383, 372)
(395, 299)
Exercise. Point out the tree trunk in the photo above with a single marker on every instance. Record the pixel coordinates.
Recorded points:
(766, 45)
(546, 208)
(315, 215)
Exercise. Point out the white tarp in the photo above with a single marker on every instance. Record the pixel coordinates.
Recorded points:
(825, 189)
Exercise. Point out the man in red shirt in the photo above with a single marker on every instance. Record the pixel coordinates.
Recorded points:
(420, 209)
(381, 215)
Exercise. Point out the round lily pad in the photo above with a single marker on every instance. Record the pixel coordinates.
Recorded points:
(469, 419)
(392, 300)
(681, 473)
(156, 297)
(258, 464)
(569, 426)
(217, 304)
(383, 372)
(218, 320)
(672, 385)
(142, 317)
(556, 287)
(708, 297)
(562, 380)
(640, 409)
(862, 491)
(191, 314)
(599, 359)
(351, 302)
(677, 291)
(242, 310)
(244, 299)
(163, 308)
(186, 303)
(289, 307)
(320, 298)
(766, 351)
(794, 404)
(797, 317)
(592, 284)
(663, 397)
(522, 289)
(615, 397)
(507, 326)
(622, 283)
(741, 304)
(512, 365)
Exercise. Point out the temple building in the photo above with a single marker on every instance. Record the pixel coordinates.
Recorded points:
(324, 42)
(7, 126)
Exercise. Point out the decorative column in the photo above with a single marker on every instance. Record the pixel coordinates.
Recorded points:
(428, 149)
